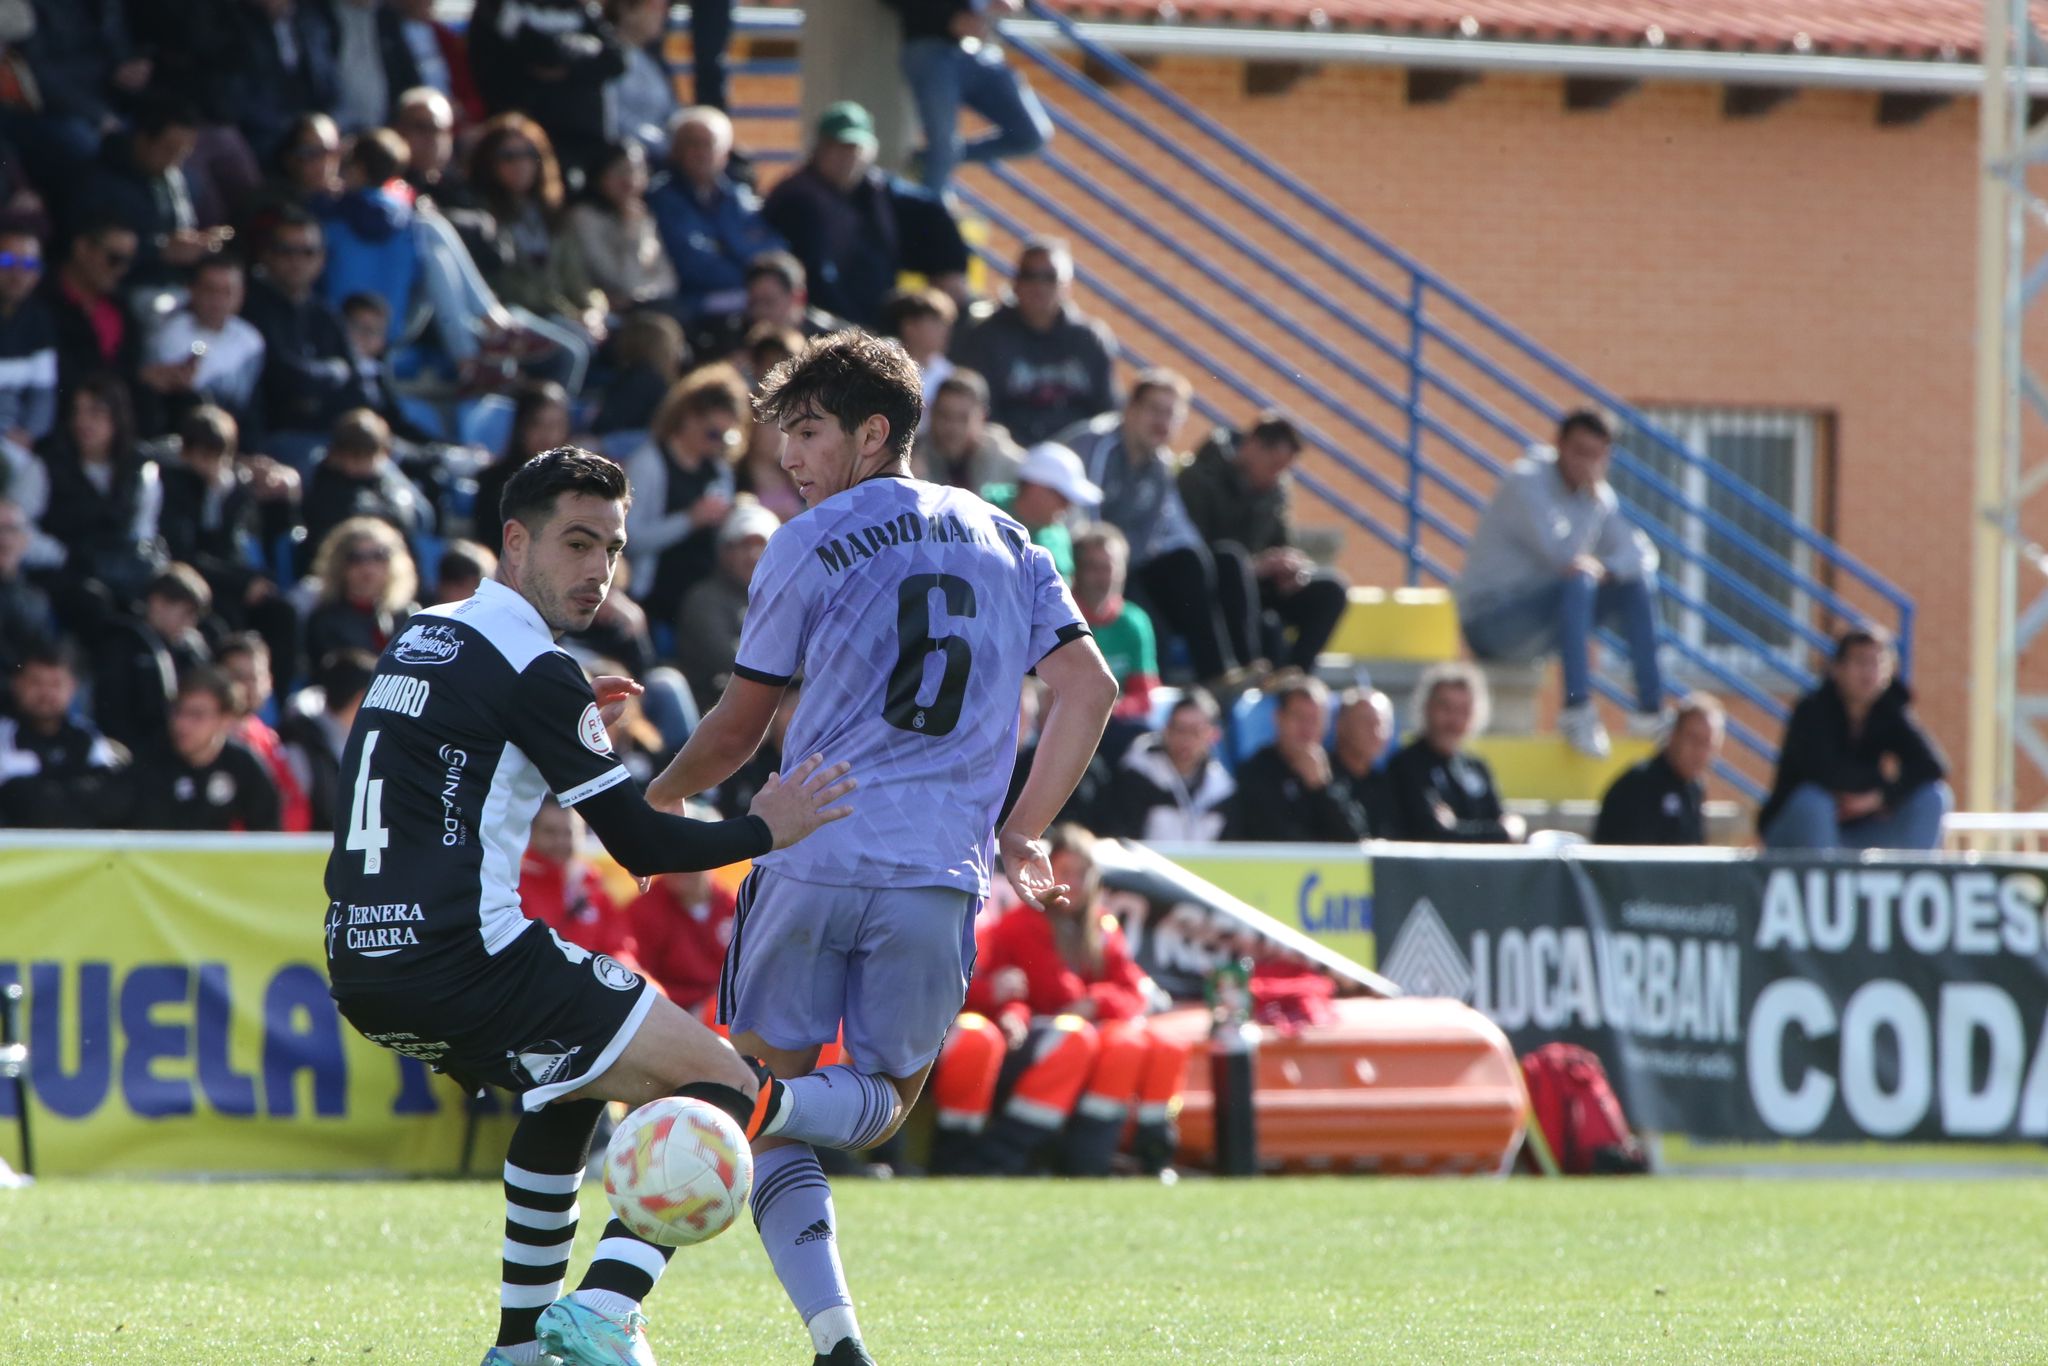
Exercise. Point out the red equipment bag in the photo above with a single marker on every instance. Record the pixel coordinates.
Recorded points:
(1576, 1109)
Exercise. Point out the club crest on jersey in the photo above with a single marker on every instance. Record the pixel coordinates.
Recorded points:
(428, 643)
(590, 730)
(613, 973)
(545, 1061)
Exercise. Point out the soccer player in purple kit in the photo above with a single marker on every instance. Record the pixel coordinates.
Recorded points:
(912, 612)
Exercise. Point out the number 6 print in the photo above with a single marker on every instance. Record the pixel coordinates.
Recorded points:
(915, 643)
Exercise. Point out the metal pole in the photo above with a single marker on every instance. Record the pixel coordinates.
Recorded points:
(1990, 782)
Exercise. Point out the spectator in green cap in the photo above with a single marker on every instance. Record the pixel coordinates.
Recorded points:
(857, 228)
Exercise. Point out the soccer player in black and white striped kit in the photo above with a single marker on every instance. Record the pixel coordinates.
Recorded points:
(473, 716)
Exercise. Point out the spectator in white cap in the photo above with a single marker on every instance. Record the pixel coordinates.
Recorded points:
(708, 627)
(960, 447)
(1050, 484)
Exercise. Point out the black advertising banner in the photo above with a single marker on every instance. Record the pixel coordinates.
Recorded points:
(1757, 998)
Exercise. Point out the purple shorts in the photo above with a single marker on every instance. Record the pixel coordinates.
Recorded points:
(889, 963)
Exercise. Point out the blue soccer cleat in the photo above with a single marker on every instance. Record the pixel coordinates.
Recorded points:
(497, 1357)
(580, 1336)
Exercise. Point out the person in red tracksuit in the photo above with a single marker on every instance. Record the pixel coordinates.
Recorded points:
(1057, 1003)
(559, 889)
(681, 926)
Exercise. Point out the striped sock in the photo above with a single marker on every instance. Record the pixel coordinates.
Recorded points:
(622, 1272)
(836, 1107)
(793, 1211)
(543, 1171)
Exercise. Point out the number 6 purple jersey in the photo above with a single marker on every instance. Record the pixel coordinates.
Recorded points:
(912, 613)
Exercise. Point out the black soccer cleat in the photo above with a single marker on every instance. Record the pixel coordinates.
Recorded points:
(846, 1352)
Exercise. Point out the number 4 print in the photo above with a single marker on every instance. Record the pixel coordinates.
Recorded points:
(366, 813)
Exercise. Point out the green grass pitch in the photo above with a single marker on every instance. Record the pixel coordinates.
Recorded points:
(1277, 1270)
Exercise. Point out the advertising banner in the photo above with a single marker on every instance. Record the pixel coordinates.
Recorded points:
(1755, 998)
(1182, 926)
(1322, 890)
(177, 1017)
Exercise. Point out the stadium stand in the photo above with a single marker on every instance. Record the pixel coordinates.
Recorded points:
(391, 321)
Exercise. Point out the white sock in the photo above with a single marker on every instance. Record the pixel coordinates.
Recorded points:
(609, 1303)
(830, 1325)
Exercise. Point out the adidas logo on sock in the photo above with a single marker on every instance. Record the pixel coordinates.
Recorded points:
(818, 1232)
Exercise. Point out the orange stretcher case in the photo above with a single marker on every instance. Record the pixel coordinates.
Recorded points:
(1400, 1085)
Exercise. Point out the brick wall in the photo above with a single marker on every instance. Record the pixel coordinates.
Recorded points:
(1806, 260)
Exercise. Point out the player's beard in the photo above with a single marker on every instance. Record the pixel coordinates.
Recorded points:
(559, 609)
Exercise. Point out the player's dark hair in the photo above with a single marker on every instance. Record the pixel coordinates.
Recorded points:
(215, 684)
(968, 382)
(344, 675)
(530, 493)
(1862, 635)
(848, 377)
(1584, 420)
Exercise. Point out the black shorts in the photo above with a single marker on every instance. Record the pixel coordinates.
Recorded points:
(542, 1017)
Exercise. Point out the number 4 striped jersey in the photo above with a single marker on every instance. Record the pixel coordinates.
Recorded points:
(912, 613)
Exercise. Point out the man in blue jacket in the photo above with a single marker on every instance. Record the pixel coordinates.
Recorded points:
(710, 226)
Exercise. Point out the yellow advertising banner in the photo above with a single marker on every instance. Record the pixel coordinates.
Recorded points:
(178, 1020)
(1323, 890)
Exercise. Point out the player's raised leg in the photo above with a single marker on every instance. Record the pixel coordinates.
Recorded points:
(672, 1053)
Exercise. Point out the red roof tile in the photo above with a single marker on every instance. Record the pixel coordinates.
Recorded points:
(1926, 29)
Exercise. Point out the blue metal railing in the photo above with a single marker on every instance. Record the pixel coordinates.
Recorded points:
(1438, 345)
(1425, 282)
(1178, 340)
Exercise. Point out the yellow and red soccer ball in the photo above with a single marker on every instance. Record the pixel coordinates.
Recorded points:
(678, 1171)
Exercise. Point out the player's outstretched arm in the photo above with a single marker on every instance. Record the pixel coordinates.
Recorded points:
(725, 739)
(647, 842)
(1083, 691)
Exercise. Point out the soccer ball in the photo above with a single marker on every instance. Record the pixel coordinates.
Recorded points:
(678, 1171)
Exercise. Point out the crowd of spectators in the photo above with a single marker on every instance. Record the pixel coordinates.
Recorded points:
(290, 288)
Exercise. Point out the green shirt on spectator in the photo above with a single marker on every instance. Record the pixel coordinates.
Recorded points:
(1127, 644)
(1057, 540)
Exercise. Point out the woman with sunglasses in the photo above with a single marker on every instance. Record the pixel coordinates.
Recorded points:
(366, 584)
(683, 486)
(511, 231)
